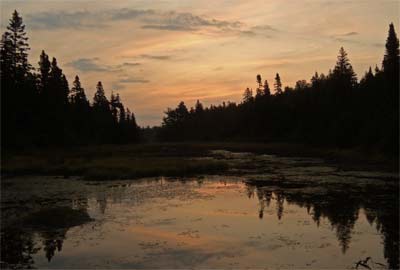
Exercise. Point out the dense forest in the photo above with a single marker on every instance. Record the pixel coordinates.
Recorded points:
(39, 108)
(331, 110)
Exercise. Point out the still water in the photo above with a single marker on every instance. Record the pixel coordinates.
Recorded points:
(200, 222)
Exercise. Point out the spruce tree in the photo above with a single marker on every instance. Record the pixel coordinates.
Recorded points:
(368, 77)
(44, 68)
(199, 107)
(100, 100)
(343, 72)
(19, 44)
(18, 89)
(278, 84)
(77, 94)
(114, 107)
(390, 64)
(7, 59)
(315, 80)
(247, 95)
(103, 118)
(267, 91)
(122, 115)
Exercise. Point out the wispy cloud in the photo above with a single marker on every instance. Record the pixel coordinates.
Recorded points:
(151, 19)
(57, 20)
(126, 64)
(134, 80)
(265, 30)
(94, 65)
(350, 34)
(169, 27)
(123, 82)
(345, 35)
(87, 65)
(176, 21)
(156, 57)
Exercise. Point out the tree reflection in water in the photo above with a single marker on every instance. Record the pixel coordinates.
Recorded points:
(45, 229)
(341, 206)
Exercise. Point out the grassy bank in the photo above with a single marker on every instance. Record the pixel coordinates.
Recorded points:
(115, 167)
(169, 159)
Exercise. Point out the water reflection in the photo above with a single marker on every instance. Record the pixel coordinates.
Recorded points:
(170, 219)
(341, 205)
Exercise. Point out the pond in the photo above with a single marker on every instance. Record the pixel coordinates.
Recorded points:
(307, 215)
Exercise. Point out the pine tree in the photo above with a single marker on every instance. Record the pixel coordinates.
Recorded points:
(19, 45)
(18, 89)
(259, 93)
(390, 64)
(247, 95)
(114, 107)
(44, 68)
(259, 90)
(7, 59)
(100, 101)
(77, 94)
(198, 107)
(133, 121)
(343, 72)
(315, 80)
(181, 111)
(58, 85)
(278, 84)
(267, 91)
(79, 113)
(103, 119)
(368, 77)
(128, 116)
(122, 115)
(301, 85)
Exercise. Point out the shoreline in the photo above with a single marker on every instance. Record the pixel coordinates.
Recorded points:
(172, 159)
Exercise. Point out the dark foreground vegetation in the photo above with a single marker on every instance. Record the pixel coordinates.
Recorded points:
(114, 162)
(170, 159)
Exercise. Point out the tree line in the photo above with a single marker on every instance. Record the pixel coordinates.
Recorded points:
(334, 109)
(39, 108)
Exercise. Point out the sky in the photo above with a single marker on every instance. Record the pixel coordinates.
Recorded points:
(158, 53)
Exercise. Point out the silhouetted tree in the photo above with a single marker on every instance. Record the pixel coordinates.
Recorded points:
(343, 72)
(267, 91)
(18, 89)
(247, 95)
(19, 45)
(77, 94)
(40, 109)
(44, 68)
(391, 62)
(100, 101)
(199, 107)
(301, 85)
(278, 84)
(259, 90)
(79, 114)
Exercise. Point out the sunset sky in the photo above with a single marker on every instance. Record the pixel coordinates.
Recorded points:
(157, 53)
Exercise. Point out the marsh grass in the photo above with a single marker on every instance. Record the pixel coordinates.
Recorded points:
(111, 167)
(165, 159)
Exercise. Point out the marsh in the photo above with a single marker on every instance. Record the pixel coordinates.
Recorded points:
(280, 212)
